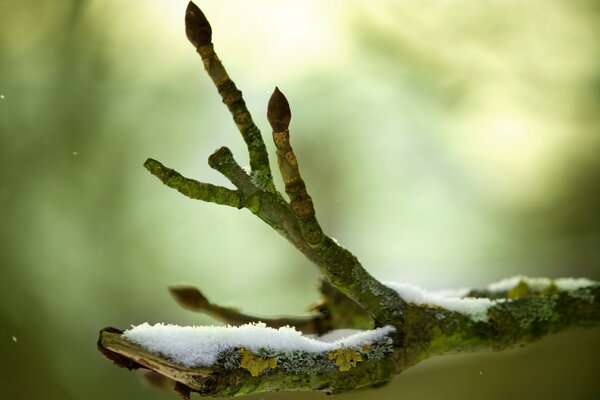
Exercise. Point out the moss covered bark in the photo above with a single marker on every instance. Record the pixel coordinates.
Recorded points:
(426, 332)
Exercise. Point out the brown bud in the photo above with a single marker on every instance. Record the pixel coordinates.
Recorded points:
(197, 28)
(189, 297)
(278, 112)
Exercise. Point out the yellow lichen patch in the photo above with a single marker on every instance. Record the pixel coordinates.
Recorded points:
(256, 364)
(552, 289)
(345, 358)
(519, 290)
(366, 348)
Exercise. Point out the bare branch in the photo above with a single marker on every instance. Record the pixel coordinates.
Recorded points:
(199, 33)
(338, 265)
(222, 160)
(192, 188)
(279, 117)
(191, 298)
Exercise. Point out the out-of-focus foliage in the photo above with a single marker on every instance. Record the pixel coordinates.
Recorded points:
(446, 143)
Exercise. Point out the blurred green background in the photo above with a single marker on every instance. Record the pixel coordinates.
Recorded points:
(447, 144)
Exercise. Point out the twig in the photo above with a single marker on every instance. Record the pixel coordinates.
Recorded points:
(191, 298)
(192, 188)
(279, 116)
(199, 33)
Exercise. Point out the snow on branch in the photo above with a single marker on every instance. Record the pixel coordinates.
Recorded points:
(203, 346)
(476, 307)
(230, 360)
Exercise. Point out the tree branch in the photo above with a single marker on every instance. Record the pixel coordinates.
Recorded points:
(192, 299)
(511, 321)
(192, 188)
(222, 160)
(279, 116)
(417, 327)
(433, 331)
(199, 33)
(293, 372)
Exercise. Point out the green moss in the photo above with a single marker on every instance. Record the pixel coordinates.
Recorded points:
(442, 343)
(582, 294)
(261, 179)
(301, 362)
(230, 359)
(538, 308)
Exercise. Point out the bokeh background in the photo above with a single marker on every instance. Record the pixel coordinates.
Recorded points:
(447, 144)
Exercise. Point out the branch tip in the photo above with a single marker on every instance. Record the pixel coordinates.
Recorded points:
(192, 188)
(197, 27)
(222, 154)
(189, 297)
(278, 111)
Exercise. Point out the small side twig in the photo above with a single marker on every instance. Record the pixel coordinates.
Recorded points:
(223, 161)
(192, 188)
(191, 298)
(279, 116)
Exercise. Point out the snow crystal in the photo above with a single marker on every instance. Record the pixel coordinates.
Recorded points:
(476, 308)
(14, 338)
(201, 345)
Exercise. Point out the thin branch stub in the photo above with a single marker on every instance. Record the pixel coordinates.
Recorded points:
(189, 297)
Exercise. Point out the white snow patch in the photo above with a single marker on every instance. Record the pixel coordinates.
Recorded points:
(572, 283)
(536, 284)
(337, 334)
(540, 284)
(201, 345)
(475, 308)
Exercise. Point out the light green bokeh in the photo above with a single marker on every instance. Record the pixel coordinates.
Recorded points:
(445, 143)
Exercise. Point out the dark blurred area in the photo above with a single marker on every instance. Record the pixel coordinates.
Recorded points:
(446, 144)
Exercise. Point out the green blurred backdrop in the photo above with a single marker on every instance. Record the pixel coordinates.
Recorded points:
(447, 144)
